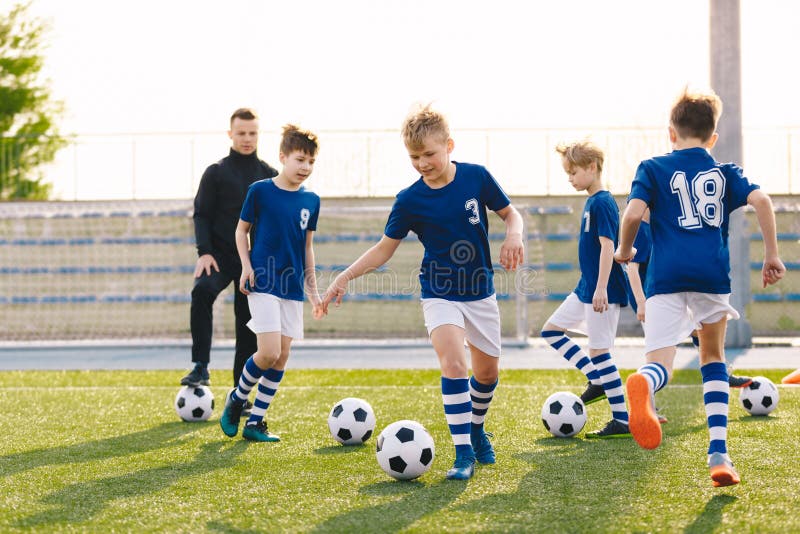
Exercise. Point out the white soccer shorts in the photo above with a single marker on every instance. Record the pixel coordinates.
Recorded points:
(671, 317)
(601, 328)
(480, 320)
(273, 314)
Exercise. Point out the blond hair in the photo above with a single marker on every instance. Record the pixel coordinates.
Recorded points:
(582, 154)
(424, 121)
(695, 115)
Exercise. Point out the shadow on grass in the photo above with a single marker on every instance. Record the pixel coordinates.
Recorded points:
(159, 437)
(711, 516)
(415, 501)
(220, 526)
(566, 481)
(81, 501)
(341, 449)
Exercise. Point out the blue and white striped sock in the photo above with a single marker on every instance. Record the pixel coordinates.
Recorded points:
(572, 353)
(715, 397)
(481, 395)
(267, 386)
(612, 385)
(656, 375)
(458, 412)
(250, 375)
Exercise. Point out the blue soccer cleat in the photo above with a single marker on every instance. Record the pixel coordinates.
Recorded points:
(463, 468)
(484, 452)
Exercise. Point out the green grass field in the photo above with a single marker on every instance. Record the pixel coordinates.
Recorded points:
(105, 452)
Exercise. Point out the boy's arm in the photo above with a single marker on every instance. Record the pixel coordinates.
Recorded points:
(512, 252)
(311, 276)
(373, 258)
(600, 298)
(243, 248)
(773, 268)
(636, 287)
(628, 228)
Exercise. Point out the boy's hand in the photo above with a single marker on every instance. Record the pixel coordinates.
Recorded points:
(624, 256)
(600, 300)
(640, 305)
(335, 293)
(247, 281)
(317, 311)
(772, 271)
(512, 252)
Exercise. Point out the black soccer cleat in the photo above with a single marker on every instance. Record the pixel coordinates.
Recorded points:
(197, 377)
(739, 381)
(613, 429)
(592, 393)
(246, 408)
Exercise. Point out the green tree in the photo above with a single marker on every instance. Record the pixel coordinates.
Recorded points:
(29, 136)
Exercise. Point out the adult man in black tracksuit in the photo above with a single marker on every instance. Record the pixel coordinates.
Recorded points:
(217, 207)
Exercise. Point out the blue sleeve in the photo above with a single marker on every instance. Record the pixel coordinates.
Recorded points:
(642, 186)
(248, 207)
(642, 244)
(493, 195)
(739, 187)
(398, 225)
(606, 217)
(312, 222)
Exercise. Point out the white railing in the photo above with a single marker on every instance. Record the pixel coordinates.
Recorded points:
(373, 163)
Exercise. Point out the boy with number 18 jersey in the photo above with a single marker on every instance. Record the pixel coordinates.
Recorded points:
(688, 287)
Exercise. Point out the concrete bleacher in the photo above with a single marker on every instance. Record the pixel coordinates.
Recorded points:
(60, 260)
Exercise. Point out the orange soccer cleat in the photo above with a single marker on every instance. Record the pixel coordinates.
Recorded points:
(643, 420)
(792, 378)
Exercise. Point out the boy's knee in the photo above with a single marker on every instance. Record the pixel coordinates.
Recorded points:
(266, 358)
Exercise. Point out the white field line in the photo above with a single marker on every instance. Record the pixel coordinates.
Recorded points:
(305, 388)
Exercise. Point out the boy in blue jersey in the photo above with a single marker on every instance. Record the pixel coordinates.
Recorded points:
(690, 195)
(637, 273)
(594, 304)
(277, 270)
(446, 208)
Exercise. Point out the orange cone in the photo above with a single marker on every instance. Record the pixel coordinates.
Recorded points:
(792, 378)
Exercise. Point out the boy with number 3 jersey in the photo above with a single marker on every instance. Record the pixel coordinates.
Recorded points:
(446, 208)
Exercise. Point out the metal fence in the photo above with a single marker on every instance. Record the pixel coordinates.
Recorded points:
(373, 163)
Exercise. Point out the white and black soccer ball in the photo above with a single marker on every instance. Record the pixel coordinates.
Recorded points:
(351, 421)
(760, 397)
(563, 414)
(405, 450)
(194, 403)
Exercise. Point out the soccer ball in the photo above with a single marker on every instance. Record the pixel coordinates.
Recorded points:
(405, 450)
(194, 404)
(760, 397)
(563, 414)
(351, 421)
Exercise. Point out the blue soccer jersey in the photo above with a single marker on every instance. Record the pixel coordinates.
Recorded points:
(452, 224)
(690, 197)
(280, 220)
(600, 219)
(643, 243)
